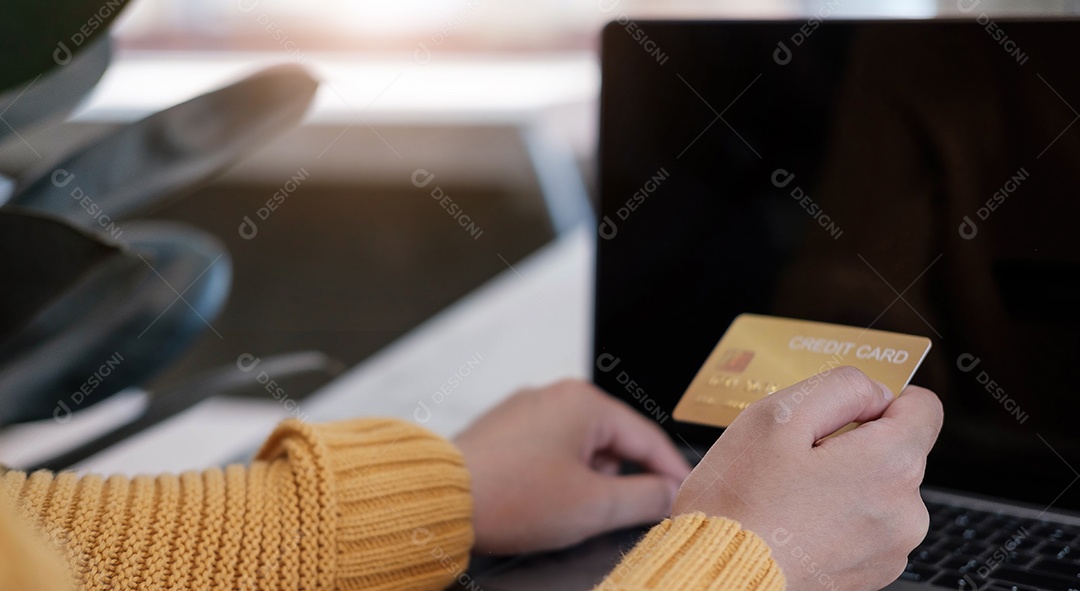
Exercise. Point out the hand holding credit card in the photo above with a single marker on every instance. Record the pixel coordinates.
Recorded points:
(759, 355)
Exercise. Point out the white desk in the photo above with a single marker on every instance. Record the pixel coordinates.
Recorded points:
(528, 326)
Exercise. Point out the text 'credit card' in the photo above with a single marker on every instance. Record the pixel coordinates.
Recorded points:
(759, 355)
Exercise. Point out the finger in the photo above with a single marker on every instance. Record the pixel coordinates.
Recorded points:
(919, 413)
(822, 404)
(605, 463)
(626, 434)
(634, 500)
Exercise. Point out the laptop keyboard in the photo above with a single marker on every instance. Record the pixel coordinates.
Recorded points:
(973, 550)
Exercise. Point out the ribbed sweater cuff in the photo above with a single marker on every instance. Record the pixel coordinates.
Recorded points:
(697, 553)
(402, 498)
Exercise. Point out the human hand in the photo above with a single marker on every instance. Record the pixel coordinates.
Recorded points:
(545, 463)
(844, 512)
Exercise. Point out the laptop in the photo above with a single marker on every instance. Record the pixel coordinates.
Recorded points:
(921, 177)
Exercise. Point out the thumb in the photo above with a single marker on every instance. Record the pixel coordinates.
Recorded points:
(635, 500)
(818, 406)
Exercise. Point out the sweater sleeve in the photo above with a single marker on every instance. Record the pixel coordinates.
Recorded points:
(364, 504)
(25, 560)
(697, 553)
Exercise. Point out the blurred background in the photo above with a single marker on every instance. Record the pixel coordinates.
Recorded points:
(467, 25)
(448, 140)
(462, 89)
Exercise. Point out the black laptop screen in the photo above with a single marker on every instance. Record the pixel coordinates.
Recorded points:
(919, 177)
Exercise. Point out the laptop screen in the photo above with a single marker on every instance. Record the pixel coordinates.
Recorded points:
(921, 177)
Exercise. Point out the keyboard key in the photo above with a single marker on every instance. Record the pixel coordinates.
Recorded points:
(964, 533)
(971, 520)
(1013, 541)
(940, 523)
(927, 555)
(951, 512)
(1004, 535)
(1010, 574)
(960, 564)
(1004, 587)
(1063, 533)
(1058, 551)
(1041, 528)
(1067, 569)
(955, 580)
(995, 559)
(978, 518)
(962, 547)
(1016, 527)
(962, 520)
(918, 573)
(1026, 544)
(1016, 558)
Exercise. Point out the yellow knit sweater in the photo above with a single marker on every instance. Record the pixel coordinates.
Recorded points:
(364, 504)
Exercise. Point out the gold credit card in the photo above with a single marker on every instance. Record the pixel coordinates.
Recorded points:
(759, 355)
